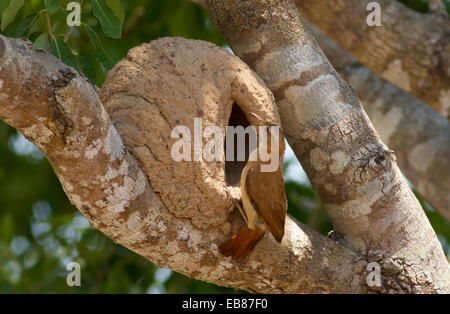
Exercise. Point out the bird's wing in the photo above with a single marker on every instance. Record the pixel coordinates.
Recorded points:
(266, 192)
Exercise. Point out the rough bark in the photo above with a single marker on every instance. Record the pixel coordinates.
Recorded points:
(419, 135)
(354, 173)
(416, 126)
(57, 109)
(409, 49)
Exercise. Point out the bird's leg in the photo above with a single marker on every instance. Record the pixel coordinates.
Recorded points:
(236, 204)
(241, 210)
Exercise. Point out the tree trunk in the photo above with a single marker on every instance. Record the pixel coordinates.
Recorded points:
(418, 134)
(409, 49)
(372, 208)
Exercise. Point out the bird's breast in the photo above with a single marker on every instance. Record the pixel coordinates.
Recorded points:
(254, 219)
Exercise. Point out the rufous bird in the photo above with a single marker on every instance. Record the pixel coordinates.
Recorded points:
(263, 198)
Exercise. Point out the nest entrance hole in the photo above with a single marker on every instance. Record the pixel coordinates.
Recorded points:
(234, 167)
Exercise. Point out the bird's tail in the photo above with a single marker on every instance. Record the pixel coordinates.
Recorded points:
(242, 243)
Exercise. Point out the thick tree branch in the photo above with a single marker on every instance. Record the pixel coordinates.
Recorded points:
(418, 135)
(58, 110)
(356, 176)
(409, 49)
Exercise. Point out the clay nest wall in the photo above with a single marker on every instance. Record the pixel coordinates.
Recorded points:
(167, 83)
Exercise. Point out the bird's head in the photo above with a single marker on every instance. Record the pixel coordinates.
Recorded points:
(274, 135)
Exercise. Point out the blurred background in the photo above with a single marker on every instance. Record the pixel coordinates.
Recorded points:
(40, 231)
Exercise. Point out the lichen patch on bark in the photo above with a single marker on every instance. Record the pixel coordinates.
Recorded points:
(423, 154)
(395, 73)
(287, 64)
(444, 98)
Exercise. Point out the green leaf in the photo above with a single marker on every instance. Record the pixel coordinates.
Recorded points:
(52, 6)
(26, 26)
(41, 42)
(59, 22)
(118, 9)
(111, 25)
(60, 50)
(447, 5)
(10, 13)
(85, 66)
(106, 50)
(417, 5)
(4, 5)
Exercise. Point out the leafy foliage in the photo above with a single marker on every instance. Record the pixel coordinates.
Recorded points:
(40, 231)
(417, 5)
(111, 24)
(52, 6)
(10, 12)
(447, 5)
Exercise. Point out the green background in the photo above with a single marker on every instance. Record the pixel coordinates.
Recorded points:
(40, 231)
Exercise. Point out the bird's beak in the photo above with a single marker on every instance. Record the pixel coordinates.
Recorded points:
(256, 116)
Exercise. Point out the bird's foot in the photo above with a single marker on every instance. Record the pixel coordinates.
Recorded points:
(237, 204)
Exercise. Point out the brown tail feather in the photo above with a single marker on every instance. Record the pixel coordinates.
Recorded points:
(242, 243)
